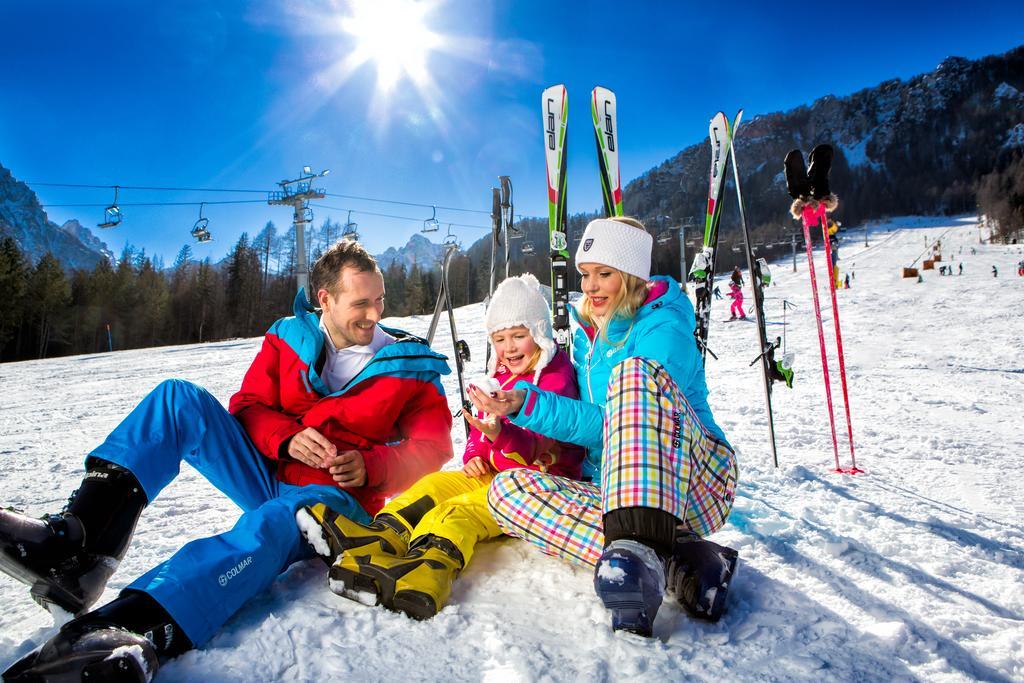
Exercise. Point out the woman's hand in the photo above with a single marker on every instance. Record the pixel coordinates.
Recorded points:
(476, 467)
(502, 403)
(489, 426)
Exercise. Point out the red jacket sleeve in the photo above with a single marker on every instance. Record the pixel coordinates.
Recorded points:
(257, 405)
(425, 427)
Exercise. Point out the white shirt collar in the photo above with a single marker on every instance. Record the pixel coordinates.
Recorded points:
(379, 341)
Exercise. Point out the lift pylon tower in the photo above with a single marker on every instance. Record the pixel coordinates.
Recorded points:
(297, 193)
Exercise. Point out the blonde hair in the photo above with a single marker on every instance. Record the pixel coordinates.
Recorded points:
(630, 298)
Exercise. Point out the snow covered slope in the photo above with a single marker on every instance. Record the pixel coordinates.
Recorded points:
(914, 570)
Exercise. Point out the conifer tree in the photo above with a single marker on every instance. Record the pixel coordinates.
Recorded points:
(50, 293)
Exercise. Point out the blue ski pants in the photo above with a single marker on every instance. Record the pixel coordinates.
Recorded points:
(203, 584)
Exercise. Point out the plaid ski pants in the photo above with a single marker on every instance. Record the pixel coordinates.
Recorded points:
(656, 455)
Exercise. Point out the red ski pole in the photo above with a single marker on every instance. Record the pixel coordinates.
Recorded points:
(820, 214)
(810, 215)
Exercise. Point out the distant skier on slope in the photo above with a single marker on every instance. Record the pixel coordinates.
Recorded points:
(408, 557)
(736, 309)
(644, 418)
(737, 276)
(334, 409)
(736, 294)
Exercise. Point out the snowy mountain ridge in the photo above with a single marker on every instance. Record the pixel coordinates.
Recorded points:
(23, 218)
(418, 251)
(914, 146)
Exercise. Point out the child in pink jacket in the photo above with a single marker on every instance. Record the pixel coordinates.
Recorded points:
(408, 557)
(736, 294)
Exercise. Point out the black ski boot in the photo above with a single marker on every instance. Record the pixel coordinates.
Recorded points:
(817, 173)
(66, 559)
(797, 184)
(88, 652)
(699, 573)
(122, 641)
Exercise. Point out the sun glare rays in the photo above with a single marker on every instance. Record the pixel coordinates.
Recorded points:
(394, 38)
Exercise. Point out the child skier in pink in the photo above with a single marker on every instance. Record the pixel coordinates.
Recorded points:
(408, 557)
(736, 294)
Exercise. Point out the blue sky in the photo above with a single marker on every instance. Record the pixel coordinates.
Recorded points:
(239, 95)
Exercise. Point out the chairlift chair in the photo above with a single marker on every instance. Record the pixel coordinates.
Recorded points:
(201, 226)
(451, 239)
(112, 214)
(432, 224)
(351, 229)
(736, 248)
(664, 237)
(527, 247)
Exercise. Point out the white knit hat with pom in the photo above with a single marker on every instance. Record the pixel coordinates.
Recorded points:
(521, 301)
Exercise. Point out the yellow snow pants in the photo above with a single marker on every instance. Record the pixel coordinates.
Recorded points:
(460, 513)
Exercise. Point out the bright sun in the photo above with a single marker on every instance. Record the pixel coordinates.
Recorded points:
(392, 34)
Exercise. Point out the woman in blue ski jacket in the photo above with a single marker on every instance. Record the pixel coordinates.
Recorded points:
(660, 469)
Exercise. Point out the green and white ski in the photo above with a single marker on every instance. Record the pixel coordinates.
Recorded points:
(606, 134)
(702, 272)
(555, 108)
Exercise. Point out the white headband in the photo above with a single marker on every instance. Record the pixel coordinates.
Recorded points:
(618, 245)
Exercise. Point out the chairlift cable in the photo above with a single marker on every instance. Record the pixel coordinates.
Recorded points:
(387, 215)
(397, 202)
(236, 201)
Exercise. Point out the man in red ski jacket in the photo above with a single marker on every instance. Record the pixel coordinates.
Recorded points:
(389, 425)
(335, 409)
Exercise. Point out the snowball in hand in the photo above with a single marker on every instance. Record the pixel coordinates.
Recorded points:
(486, 384)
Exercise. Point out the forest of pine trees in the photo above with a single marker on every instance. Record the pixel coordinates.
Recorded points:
(137, 302)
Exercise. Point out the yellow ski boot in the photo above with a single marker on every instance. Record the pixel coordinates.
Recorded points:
(332, 534)
(417, 585)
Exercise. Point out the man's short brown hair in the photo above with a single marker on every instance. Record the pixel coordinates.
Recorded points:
(342, 254)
